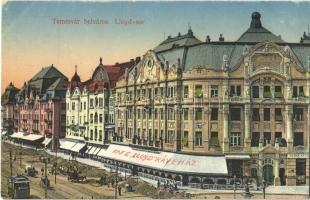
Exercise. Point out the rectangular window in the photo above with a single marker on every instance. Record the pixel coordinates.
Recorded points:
(91, 118)
(238, 90)
(91, 103)
(214, 91)
(84, 105)
(161, 114)
(198, 113)
(100, 102)
(214, 114)
(267, 138)
(232, 90)
(295, 91)
(198, 138)
(170, 114)
(185, 91)
(214, 140)
(198, 90)
(73, 106)
(170, 136)
(235, 139)
(267, 92)
(185, 114)
(278, 92)
(278, 137)
(235, 114)
(185, 139)
(298, 139)
(255, 91)
(255, 139)
(156, 113)
(100, 118)
(255, 114)
(267, 114)
(301, 91)
(298, 114)
(278, 114)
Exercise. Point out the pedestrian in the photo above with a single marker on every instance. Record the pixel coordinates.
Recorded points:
(119, 190)
(158, 184)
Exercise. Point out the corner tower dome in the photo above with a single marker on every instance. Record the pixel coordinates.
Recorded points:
(257, 33)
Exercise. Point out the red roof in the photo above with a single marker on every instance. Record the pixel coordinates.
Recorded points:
(114, 73)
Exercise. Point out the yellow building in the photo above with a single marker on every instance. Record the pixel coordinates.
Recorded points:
(247, 99)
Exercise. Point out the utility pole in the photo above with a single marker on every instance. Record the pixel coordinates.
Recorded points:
(55, 162)
(116, 180)
(11, 163)
(20, 156)
(45, 176)
(234, 186)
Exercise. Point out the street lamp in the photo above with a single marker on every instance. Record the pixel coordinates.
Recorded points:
(234, 186)
(264, 187)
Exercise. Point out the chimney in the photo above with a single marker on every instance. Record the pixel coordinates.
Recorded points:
(208, 39)
(221, 38)
(138, 59)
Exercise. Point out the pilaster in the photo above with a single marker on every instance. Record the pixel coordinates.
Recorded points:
(225, 113)
(289, 126)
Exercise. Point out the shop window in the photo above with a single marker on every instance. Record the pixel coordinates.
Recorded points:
(198, 113)
(235, 139)
(255, 91)
(185, 139)
(267, 92)
(267, 114)
(255, 139)
(185, 91)
(300, 167)
(278, 92)
(198, 138)
(278, 114)
(255, 114)
(298, 114)
(198, 90)
(267, 138)
(235, 114)
(298, 139)
(214, 114)
(214, 91)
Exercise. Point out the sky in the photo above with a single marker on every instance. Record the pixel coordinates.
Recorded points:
(32, 38)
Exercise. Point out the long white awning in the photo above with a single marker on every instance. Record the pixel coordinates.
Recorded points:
(17, 135)
(92, 151)
(167, 161)
(77, 147)
(25, 136)
(89, 147)
(237, 157)
(66, 144)
(32, 137)
(46, 141)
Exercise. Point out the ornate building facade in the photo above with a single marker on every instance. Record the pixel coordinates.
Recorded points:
(41, 104)
(247, 100)
(9, 109)
(90, 111)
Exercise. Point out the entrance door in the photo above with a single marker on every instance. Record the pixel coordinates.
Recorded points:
(268, 174)
(282, 176)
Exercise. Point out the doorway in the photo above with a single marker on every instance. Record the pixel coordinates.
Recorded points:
(282, 176)
(268, 174)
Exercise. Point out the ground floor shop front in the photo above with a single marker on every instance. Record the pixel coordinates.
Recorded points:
(273, 167)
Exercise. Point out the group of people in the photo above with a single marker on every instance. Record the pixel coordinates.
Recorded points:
(169, 184)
